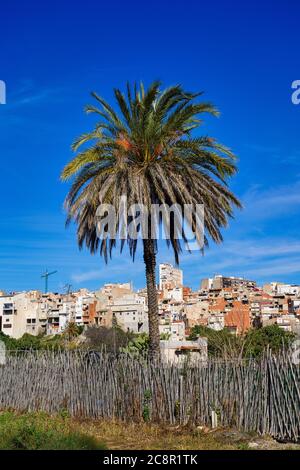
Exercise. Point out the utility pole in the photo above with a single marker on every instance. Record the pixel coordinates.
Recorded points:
(46, 274)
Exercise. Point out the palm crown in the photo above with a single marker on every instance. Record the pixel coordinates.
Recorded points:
(145, 151)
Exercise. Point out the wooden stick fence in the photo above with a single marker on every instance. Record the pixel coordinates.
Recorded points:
(254, 395)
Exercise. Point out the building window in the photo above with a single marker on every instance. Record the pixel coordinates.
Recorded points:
(7, 326)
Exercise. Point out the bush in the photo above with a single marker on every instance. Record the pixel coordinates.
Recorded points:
(33, 343)
(111, 339)
(138, 345)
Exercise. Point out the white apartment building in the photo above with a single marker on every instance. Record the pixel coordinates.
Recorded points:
(280, 288)
(81, 308)
(169, 277)
(131, 313)
(78, 310)
(216, 321)
(20, 313)
(288, 289)
(8, 316)
(59, 316)
(173, 293)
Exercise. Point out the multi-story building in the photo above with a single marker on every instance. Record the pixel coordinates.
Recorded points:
(279, 288)
(221, 282)
(131, 312)
(19, 314)
(8, 315)
(173, 293)
(85, 308)
(170, 277)
(112, 291)
(174, 330)
(196, 312)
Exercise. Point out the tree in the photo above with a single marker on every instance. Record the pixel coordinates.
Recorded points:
(112, 339)
(252, 344)
(219, 342)
(272, 336)
(72, 330)
(145, 152)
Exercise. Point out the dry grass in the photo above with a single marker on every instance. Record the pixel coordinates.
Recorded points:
(142, 436)
(151, 437)
(40, 431)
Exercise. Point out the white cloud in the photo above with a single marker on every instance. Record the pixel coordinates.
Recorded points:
(87, 276)
(118, 270)
(270, 203)
(275, 268)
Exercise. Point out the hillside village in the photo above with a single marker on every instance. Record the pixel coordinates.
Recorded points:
(233, 303)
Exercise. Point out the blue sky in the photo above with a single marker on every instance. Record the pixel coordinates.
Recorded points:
(243, 55)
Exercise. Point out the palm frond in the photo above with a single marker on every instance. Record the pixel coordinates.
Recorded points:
(145, 151)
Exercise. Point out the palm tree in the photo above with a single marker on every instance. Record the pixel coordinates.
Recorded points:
(72, 330)
(145, 151)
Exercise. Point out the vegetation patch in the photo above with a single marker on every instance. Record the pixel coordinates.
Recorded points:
(254, 343)
(38, 431)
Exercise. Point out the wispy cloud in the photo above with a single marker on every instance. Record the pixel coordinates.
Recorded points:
(262, 148)
(36, 96)
(262, 248)
(271, 202)
(276, 154)
(31, 93)
(273, 269)
(117, 271)
(87, 276)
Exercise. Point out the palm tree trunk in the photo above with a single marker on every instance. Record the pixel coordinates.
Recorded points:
(150, 263)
